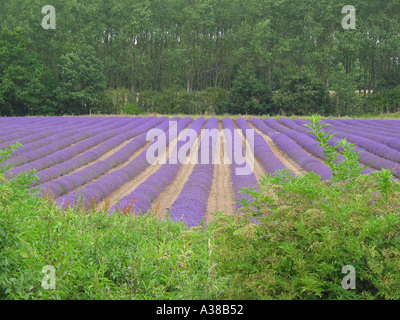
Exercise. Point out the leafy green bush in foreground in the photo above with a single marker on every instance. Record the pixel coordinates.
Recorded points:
(308, 230)
(95, 256)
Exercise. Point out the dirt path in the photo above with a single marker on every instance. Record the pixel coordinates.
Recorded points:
(131, 185)
(171, 193)
(282, 156)
(221, 196)
(258, 169)
(103, 157)
(320, 159)
(133, 156)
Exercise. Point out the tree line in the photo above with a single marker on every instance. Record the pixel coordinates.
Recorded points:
(197, 56)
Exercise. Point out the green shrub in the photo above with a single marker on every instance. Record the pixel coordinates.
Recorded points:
(386, 101)
(114, 100)
(307, 230)
(248, 95)
(301, 94)
(147, 100)
(94, 255)
(131, 108)
(19, 206)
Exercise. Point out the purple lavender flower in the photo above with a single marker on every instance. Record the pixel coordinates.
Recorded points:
(238, 181)
(191, 204)
(151, 188)
(105, 185)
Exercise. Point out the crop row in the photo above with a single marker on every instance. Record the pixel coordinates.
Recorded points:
(191, 204)
(241, 174)
(101, 188)
(15, 131)
(66, 153)
(152, 187)
(46, 135)
(49, 145)
(81, 148)
(366, 157)
(261, 149)
(68, 183)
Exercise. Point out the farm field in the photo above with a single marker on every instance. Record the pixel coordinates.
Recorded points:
(102, 160)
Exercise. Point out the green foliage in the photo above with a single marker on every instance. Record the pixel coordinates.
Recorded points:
(214, 98)
(178, 101)
(131, 108)
(113, 100)
(301, 93)
(346, 170)
(389, 79)
(198, 45)
(18, 208)
(307, 231)
(293, 240)
(82, 81)
(168, 100)
(345, 100)
(386, 101)
(248, 95)
(95, 255)
(147, 100)
(22, 77)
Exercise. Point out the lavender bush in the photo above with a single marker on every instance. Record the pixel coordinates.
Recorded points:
(151, 188)
(191, 204)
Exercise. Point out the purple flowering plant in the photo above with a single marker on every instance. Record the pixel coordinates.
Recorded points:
(346, 169)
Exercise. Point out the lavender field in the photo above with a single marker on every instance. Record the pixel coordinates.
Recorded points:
(101, 161)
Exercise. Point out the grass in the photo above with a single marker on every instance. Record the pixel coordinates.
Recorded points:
(96, 256)
(310, 230)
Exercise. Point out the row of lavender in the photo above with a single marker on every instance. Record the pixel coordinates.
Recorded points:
(191, 204)
(152, 187)
(57, 153)
(70, 181)
(51, 132)
(239, 180)
(102, 186)
(372, 153)
(102, 146)
(22, 127)
(109, 133)
(93, 137)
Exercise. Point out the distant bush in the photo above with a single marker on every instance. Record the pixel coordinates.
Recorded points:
(147, 100)
(213, 98)
(131, 108)
(386, 101)
(248, 95)
(113, 100)
(301, 93)
(175, 100)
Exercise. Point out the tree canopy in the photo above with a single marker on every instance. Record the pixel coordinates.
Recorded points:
(191, 45)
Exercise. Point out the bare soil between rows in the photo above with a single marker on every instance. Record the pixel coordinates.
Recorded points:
(221, 197)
